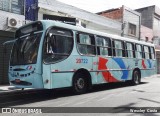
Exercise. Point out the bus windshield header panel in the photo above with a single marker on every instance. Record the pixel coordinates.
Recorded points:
(37, 26)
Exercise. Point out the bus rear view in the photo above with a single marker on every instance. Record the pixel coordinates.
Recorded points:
(23, 69)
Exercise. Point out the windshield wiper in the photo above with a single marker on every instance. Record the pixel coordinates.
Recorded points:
(61, 54)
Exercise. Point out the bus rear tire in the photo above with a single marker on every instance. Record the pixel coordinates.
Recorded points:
(136, 78)
(79, 83)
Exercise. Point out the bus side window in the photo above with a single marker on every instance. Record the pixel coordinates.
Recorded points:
(86, 44)
(103, 46)
(130, 50)
(49, 44)
(124, 49)
(113, 48)
(146, 52)
(58, 45)
(118, 48)
(138, 51)
(134, 54)
(152, 53)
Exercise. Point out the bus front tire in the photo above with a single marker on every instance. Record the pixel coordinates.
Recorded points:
(136, 79)
(79, 84)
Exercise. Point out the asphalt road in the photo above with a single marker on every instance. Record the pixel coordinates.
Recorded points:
(122, 95)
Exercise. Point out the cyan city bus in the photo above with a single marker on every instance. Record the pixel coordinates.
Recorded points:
(49, 54)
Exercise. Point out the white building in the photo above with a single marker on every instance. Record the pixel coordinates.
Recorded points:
(11, 14)
(90, 20)
(11, 17)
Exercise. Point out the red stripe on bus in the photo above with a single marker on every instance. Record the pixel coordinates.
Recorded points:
(107, 75)
(143, 64)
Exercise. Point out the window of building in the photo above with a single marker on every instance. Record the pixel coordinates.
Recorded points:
(132, 29)
(139, 53)
(130, 50)
(13, 6)
(86, 44)
(103, 46)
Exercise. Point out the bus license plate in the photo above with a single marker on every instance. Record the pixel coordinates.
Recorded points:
(17, 80)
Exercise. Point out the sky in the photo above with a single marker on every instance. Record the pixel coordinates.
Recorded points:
(95, 6)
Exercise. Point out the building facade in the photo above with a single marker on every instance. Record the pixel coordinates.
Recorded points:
(83, 18)
(130, 19)
(146, 34)
(11, 17)
(151, 19)
(11, 14)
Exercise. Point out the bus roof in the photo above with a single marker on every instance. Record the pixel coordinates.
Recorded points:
(49, 23)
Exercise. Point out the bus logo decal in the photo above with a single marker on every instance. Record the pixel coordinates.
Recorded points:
(107, 75)
(83, 60)
(29, 67)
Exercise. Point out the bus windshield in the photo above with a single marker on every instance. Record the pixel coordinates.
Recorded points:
(25, 50)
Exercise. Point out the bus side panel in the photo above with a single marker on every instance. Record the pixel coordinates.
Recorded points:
(120, 68)
(131, 65)
(103, 70)
(62, 72)
(60, 80)
(110, 69)
(154, 66)
(94, 74)
(46, 76)
(148, 67)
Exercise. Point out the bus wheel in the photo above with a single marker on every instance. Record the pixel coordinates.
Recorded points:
(136, 79)
(79, 84)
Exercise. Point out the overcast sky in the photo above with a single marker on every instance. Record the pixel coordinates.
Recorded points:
(101, 5)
